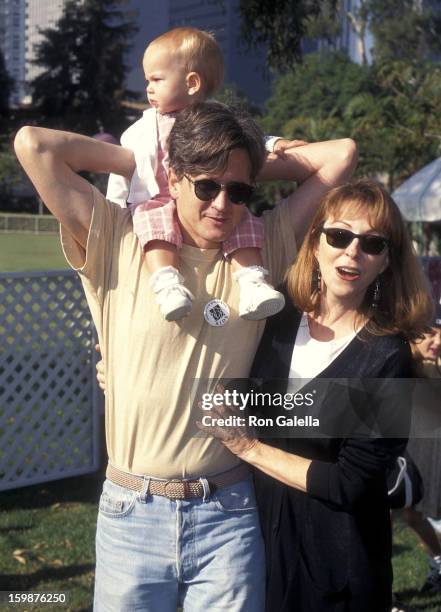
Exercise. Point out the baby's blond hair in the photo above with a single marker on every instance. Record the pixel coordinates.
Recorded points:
(199, 53)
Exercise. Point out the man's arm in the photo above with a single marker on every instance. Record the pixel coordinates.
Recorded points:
(316, 168)
(52, 159)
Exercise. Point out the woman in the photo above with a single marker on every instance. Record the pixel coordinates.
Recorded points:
(425, 448)
(323, 502)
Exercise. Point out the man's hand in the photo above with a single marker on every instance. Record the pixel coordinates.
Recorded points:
(100, 375)
(283, 144)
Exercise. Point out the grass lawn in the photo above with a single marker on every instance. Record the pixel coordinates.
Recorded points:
(47, 537)
(47, 541)
(410, 569)
(24, 252)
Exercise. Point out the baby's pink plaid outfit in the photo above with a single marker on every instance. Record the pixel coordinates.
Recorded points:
(156, 219)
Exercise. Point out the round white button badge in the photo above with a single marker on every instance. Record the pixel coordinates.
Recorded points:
(216, 313)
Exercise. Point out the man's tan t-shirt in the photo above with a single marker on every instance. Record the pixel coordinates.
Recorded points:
(151, 364)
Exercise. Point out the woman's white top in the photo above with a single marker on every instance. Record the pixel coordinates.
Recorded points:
(310, 356)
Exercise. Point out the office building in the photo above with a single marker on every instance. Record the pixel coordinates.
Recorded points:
(13, 43)
(20, 24)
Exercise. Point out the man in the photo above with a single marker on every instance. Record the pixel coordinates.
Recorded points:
(177, 522)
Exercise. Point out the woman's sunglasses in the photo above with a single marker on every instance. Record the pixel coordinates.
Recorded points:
(208, 189)
(341, 238)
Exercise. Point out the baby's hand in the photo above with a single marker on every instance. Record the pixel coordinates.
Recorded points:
(281, 145)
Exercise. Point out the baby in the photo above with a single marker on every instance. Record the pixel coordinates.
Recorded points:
(184, 66)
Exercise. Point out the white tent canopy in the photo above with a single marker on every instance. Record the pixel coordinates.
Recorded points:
(419, 198)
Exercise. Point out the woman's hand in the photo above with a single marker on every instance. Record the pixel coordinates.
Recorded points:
(237, 435)
(241, 439)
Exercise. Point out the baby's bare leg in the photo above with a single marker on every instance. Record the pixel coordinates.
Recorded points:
(248, 256)
(159, 254)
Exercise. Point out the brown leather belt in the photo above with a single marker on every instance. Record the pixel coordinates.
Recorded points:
(177, 489)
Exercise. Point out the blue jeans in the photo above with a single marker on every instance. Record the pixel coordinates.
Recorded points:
(155, 554)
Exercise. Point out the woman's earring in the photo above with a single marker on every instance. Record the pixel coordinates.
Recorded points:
(318, 280)
(377, 294)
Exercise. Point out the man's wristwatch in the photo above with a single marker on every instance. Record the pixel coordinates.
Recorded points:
(270, 141)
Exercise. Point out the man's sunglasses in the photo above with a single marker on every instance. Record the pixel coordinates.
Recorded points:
(207, 189)
(341, 238)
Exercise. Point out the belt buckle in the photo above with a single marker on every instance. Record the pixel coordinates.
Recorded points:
(175, 494)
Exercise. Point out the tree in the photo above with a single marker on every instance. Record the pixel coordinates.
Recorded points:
(397, 125)
(309, 103)
(390, 109)
(82, 84)
(403, 30)
(6, 86)
(317, 90)
(280, 25)
(234, 96)
(358, 18)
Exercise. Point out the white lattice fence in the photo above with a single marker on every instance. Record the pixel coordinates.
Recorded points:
(49, 402)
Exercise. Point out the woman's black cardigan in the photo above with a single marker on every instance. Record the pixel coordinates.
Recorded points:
(330, 549)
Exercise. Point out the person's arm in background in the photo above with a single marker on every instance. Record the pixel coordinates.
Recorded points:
(100, 371)
(52, 159)
(316, 168)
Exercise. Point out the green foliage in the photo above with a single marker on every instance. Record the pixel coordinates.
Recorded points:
(233, 96)
(280, 25)
(415, 34)
(82, 84)
(398, 127)
(6, 85)
(319, 89)
(402, 29)
(10, 173)
(326, 25)
(391, 109)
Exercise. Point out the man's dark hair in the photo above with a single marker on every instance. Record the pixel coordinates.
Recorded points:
(205, 133)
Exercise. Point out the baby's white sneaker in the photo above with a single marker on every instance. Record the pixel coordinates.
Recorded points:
(258, 299)
(173, 297)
